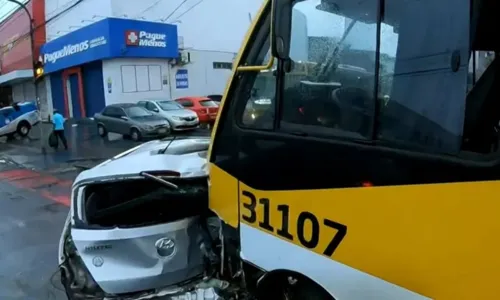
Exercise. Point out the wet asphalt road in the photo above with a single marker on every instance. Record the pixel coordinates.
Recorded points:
(34, 195)
(30, 226)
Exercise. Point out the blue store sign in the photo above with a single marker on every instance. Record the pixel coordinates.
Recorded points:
(111, 38)
(181, 79)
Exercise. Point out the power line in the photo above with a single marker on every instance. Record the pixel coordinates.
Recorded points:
(189, 9)
(62, 7)
(5, 17)
(9, 12)
(178, 6)
(148, 8)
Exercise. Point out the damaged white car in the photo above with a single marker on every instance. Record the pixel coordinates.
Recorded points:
(139, 227)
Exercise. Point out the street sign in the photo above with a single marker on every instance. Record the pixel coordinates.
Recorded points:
(181, 79)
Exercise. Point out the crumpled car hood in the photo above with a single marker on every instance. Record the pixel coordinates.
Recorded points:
(145, 158)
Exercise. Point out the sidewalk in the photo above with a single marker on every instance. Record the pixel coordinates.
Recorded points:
(86, 147)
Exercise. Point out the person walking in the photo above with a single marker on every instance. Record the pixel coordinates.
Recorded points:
(58, 121)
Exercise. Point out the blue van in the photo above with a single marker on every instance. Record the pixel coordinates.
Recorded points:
(18, 118)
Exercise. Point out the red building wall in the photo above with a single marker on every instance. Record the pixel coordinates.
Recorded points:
(15, 45)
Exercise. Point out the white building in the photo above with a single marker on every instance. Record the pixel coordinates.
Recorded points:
(208, 34)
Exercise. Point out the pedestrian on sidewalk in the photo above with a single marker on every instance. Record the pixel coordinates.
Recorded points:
(58, 121)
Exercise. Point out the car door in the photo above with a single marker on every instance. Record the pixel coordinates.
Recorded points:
(107, 118)
(122, 125)
(142, 103)
(152, 107)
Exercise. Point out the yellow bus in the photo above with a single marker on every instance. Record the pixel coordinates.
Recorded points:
(373, 174)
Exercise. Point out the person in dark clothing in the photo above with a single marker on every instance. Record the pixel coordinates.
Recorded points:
(58, 121)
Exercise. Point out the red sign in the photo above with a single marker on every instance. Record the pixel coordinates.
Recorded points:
(132, 38)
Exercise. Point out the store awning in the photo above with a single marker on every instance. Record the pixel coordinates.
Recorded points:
(16, 77)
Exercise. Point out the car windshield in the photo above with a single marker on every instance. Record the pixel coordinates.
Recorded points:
(137, 112)
(208, 103)
(216, 98)
(170, 105)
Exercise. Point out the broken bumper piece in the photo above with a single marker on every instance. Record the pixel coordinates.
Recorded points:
(206, 289)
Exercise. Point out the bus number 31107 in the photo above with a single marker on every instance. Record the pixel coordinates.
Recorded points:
(309, 241)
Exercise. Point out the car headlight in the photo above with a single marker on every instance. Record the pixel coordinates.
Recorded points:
(148, 127)
(176, 118)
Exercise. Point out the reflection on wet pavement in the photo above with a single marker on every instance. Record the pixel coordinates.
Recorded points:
(85, 145)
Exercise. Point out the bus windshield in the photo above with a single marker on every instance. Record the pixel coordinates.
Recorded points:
(339, 53)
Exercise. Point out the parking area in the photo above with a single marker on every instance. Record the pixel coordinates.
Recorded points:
(86, 147)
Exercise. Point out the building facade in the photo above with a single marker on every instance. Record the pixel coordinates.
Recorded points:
(16, 73)
(100, 52)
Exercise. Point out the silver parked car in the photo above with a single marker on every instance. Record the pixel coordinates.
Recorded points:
(131, 119)
(179, 117)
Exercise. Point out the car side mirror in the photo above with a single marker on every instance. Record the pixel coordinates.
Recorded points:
(124, 118)
(156, 109)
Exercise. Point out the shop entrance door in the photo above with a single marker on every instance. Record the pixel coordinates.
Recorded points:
(73, 93)
(74, 96)
(70, 100)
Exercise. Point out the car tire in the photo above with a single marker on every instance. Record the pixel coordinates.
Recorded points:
(135, 135)
(23, 128)
(102, 130)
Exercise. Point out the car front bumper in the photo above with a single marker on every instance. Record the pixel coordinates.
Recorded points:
(184, 125)
(156, 131)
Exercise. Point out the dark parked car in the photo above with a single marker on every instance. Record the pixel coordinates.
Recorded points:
(131, 120)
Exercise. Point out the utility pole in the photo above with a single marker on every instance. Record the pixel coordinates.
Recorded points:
(36, 70)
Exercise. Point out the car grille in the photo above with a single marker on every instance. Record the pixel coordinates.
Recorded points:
(189, 118)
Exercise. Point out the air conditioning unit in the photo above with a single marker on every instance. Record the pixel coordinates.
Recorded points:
(183, 59)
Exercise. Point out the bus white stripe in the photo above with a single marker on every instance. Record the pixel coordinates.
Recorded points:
(343, 282)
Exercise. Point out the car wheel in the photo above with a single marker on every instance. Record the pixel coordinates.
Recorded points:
(135, 135)
(23, 128)
(102, 130)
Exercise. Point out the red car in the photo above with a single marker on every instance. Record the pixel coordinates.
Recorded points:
(204, 107)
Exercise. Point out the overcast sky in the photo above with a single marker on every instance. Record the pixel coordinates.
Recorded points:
(319, 23)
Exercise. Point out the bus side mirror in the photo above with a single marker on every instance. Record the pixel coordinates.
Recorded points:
(281, 28)
(288, 66)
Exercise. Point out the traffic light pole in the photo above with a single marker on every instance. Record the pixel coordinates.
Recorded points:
(33, 65)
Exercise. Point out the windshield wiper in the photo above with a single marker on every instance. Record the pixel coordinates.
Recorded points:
(330, 61)
(160, 180)
(162, 151)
